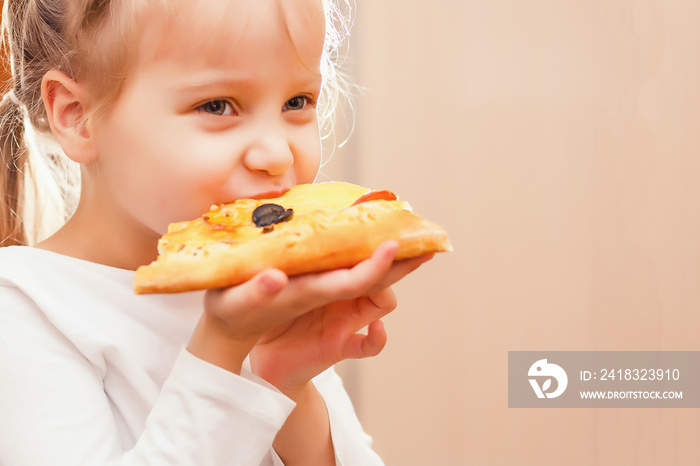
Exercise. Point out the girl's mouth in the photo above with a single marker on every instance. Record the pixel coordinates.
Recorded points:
(270, 194)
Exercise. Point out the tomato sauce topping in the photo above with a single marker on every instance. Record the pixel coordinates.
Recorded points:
(384, 195)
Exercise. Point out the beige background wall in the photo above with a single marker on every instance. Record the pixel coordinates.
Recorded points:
(558, 141)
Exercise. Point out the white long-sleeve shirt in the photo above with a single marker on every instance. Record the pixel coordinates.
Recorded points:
(92, 374)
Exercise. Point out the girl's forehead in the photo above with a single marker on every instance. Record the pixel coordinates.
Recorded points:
(219, 30)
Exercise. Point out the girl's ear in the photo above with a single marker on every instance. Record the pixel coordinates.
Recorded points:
(65, 102)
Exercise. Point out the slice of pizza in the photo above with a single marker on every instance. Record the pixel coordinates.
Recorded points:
(311, 228)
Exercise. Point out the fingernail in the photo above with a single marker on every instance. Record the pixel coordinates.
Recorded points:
(392, 248)
(272, 283)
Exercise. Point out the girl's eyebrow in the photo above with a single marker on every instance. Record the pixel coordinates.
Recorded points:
(210, 81)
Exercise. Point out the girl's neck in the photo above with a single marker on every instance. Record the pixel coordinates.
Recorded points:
(90, 234)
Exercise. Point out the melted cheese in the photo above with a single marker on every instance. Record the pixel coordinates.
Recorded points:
(233, 223)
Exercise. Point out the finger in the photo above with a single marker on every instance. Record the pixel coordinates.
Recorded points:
(254, 294)
(360, 346)
(398, 270)
(385, 300)
(367, 273)
(376, 338)
(349, 283)
(366, 310)
(379, 262)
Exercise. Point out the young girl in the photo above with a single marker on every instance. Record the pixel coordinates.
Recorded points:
(169, 106)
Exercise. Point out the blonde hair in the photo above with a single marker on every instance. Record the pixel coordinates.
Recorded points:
(88, 40)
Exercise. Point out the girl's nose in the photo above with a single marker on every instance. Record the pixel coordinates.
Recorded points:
(269, 151)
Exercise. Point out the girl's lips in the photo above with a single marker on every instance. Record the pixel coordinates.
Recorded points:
(264, 195)
(270, 194)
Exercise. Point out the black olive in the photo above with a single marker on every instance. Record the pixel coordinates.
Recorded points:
(270, 214)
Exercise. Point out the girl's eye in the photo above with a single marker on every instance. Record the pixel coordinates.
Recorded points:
(297, 103)
(217, 107)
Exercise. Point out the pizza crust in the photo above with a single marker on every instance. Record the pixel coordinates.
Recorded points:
(323, 240)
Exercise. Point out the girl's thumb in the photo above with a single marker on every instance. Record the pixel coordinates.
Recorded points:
(271, 281)
(253, 294)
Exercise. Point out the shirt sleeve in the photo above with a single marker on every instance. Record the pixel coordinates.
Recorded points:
(55, 410)
(353, 447)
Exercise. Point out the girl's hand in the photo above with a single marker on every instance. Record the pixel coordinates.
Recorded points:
(291, 355)
(302, 325)
(296, 329)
